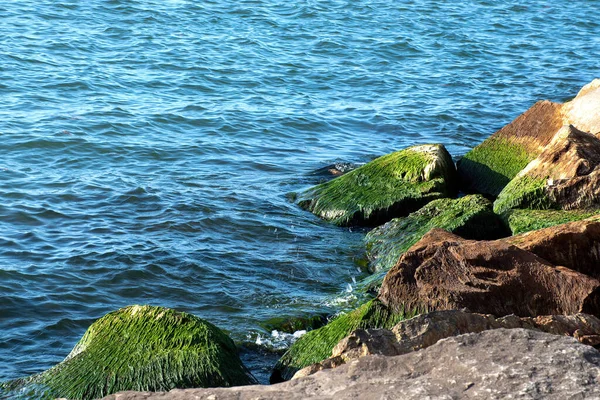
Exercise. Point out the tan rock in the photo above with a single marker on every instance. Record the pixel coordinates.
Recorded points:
(443, 271)
(584, 110)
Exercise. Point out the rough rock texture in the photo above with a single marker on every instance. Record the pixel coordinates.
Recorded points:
(584, 110)
(140, 348)
(524, 220)
(495, 364)
(575, 245)
(427, 329)
(566, 175)
(390, 186)
(316, 345)
(470, 217)
(490, 166)
(443, 271)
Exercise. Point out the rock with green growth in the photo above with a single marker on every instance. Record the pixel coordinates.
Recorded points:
(315, 346)
(489, 167)
(524, 220)
(141, 348)
(390, 186)
(470, 217)
(566, 175)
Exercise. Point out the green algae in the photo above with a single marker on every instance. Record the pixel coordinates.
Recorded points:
(524, 192)
(525, 220)
(141, 348)
(470, 217)
(489, 167)
(389, 186)
(315, 346)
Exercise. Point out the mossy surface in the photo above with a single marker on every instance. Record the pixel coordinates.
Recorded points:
(142, 348)
(317, 345)
(524, 220)
(489, 167)
(524, 192)
(389, 186)
(470, 217)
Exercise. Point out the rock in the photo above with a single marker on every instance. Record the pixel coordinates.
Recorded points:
(489, 167)
(524, 220)
(495, 364)
(444, 271)
(390, 186)
(566, 175)
(470, 217)
(575, 245)
(315, 346)
(141, 348)
(584, 110)
(425, 330)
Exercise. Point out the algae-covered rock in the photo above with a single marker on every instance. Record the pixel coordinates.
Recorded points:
(316, 345)
(387, 187)
(489, 167)
(525, 220)
(470, 217)
(141, 348)
(566, 175)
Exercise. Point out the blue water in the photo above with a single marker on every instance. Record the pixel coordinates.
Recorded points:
(147, 146)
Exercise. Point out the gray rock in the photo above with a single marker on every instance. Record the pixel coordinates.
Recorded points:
(495, 364)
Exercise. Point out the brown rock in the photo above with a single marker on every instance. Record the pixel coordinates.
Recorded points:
(575, 245)
(443, 271)
(495, 364)
(425, 330)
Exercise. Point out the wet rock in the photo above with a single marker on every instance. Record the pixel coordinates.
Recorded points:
(494, 364)
(427, 329)
(444, 271)
(525, 220)
(489, 167)
(390, 186)
(575, 245)
(566, 175)
(141, 348)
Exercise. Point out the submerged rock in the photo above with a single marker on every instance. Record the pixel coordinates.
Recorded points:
(315, 346)
(425, 330)
(387, 187)
(444, 271)
(566, 175)
(495, 364)
(489, 167)
(470, 217)
(141, 348)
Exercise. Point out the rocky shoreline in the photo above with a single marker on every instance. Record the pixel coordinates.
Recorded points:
(495, 259)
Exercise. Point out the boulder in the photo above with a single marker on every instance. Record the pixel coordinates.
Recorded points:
(316, 345)
(575, 245)
(526, 220)
(470, 217)
(140, 348)
(390, 186)
(444, 271)
(584, 110)
(566, 175)
(427, 329)
(489, 167)
(495, 364)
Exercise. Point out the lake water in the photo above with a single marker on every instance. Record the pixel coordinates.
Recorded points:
(147, 147)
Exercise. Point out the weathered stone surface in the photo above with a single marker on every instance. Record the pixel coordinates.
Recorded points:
(390, 186)
(444, 271)
(584, 110)
(575, 245)
(566, 175)
(470, 217)
(427, 329)
(490, 166)
(495, 364)
(141, 348)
